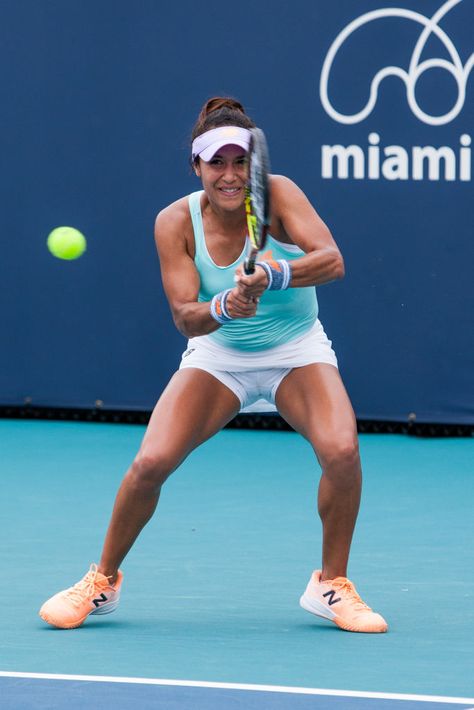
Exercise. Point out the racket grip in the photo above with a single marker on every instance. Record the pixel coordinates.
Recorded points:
(249, 265)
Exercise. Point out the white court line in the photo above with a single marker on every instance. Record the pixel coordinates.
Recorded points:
(241, 686)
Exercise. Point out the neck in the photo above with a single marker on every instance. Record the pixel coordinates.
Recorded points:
(231, 220)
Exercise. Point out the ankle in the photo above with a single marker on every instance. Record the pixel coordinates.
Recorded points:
(328, 574)
(108, 572)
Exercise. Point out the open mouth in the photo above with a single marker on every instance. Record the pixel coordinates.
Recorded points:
(230, 191)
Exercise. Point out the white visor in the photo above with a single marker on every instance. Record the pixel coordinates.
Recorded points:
(207, 144)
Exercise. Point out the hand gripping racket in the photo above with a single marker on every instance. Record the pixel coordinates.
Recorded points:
(257, 198)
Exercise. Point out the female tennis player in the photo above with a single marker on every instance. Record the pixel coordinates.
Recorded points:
(250, 337)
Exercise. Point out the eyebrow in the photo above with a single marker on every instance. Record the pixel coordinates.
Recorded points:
(236, 157)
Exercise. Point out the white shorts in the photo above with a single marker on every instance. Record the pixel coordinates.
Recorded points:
(254, 377)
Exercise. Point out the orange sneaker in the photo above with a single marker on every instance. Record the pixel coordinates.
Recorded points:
(337, 600)
(92, 595)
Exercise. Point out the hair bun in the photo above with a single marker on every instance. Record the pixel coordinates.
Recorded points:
(218, 102)
(221, 111)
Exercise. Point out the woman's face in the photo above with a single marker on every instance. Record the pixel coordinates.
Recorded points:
(224, 176)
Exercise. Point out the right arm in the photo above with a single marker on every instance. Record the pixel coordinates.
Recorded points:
(181, 279)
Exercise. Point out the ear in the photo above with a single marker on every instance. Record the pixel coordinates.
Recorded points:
(197, 167)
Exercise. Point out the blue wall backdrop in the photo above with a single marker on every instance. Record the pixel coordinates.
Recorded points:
(98, 102)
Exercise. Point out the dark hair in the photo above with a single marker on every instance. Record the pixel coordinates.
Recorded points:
(221, 111)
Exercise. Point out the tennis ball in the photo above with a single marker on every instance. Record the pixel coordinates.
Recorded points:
(66, 243)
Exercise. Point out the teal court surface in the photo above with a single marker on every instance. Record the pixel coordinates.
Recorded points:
(209, 617)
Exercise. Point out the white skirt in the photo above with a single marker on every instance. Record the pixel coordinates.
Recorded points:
(254, 377)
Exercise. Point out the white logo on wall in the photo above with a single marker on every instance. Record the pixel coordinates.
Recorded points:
(400, 164)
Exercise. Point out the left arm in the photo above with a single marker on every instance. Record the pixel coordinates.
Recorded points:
(295, 221)
(299, 221)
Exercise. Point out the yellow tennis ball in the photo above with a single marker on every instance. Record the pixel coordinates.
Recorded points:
(66, 243)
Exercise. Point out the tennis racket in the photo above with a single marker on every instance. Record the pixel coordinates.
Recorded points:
(257, 198)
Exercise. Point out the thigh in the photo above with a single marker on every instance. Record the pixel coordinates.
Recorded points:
(314, 401)
(193, 407)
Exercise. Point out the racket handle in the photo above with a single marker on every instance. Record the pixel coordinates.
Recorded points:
(249, 265)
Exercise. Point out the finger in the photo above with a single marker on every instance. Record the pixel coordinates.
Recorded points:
(246, 291)
(239, 273)
(243, 279)
(241, 300)
(241, 308)
(245, 309)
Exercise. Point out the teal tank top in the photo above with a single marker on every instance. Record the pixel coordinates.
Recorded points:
(281, 315)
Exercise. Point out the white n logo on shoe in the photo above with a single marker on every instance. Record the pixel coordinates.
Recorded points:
(99, 600)
(331, 594)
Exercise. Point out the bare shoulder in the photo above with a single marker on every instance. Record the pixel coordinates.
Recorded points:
(174, 229)
(287, 200)
(173, 219)
(284, 189)
(294, 219)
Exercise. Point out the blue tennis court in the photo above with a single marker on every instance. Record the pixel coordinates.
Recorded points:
(78, 692)
(115, 113)
(209, 615)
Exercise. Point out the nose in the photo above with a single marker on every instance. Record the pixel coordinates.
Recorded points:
(229, 173)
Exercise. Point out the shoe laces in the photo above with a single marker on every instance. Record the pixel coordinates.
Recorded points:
(86, 587)
(345, 587)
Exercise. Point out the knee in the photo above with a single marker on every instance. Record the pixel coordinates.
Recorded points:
(150, 470)
(340, 454)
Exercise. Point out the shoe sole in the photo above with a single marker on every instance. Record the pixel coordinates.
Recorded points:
(105, 609)
(318, 609)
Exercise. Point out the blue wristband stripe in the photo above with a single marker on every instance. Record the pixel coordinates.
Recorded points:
(218, 308)
(278, 274)
(286, 273)
(268, 271)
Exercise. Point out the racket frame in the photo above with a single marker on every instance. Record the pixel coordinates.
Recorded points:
(257, 187)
